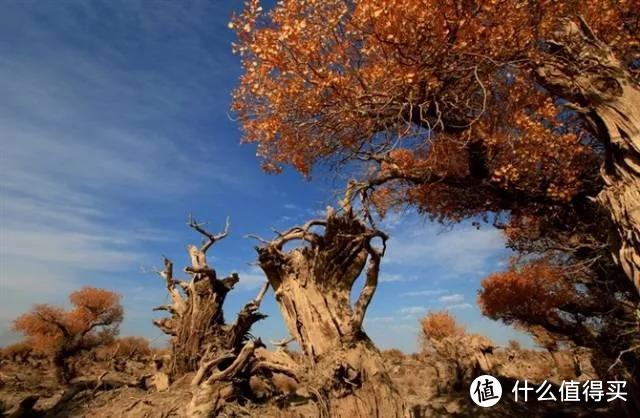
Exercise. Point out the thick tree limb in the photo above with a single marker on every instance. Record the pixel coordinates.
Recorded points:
(371, 283)
(274, 368)
(237, 365)
(298, 233)
(207, 365)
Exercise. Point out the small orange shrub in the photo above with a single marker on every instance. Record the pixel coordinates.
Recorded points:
(61, 334)
(440, 324)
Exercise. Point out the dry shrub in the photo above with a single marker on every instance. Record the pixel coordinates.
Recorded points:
(514, 345)
(454, 353)
(393, 356)
(64, 334)
(125, 348)
(18, 352)
(439, 325)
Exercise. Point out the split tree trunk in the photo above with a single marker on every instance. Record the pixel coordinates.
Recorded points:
(197, 323)
(583, 70)
(312, 286)
(221, 355)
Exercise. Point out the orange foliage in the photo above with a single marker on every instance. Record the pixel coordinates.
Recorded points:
(439, 103)
(93, 320)
(439, 325)
(536, 291)
(338, 78)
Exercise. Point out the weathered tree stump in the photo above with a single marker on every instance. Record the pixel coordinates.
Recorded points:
(220, 354)
(312, 286)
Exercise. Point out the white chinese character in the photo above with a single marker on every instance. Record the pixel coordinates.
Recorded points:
(570, 391)
(614, 391)
(593, 390)
(525, 388)
(547, 395)
(485, 391)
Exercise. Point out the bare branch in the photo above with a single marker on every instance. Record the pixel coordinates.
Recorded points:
(621, 354)
(259, 238)
(283, 343)
(179, 304)
(263, 291)
(207, 365)
(371, 283)
(236, 366)
(298, 232)
(211, 238)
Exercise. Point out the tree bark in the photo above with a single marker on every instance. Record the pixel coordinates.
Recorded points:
(312, 286)
(582, 69)
(223, 356)
(197, 324)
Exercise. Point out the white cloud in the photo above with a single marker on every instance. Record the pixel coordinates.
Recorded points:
(458, 253)
(413, 310)
(252, 278)
(393, 220)
(459, 306)
(89, 142)
(430, 292)
(389, 277)
(449, 299)
(380, 319)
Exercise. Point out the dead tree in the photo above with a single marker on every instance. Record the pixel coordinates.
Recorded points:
(223, 356)
(197, 326)
(312, 285)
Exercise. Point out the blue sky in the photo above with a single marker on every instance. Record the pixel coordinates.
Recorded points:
(114, 125)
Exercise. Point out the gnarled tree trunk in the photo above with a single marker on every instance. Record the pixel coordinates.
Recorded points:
(583, 70)
(312, 286)
(221, 355)
(197, 323)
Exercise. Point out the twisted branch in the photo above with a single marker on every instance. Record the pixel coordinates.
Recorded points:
(211, 238)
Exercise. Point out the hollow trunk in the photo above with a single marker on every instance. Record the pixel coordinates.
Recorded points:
(583, 70)
(312, 286)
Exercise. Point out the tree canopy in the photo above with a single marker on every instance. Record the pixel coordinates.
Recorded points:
(94, 320)
(521, 112)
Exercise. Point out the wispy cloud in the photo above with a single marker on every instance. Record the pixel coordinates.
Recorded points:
(94, 136)
(459, 306)
(461, 251)
(449, 299)
(413, 310)
(428, 292)
(252, 278)
(381, 319)
(390, 277)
